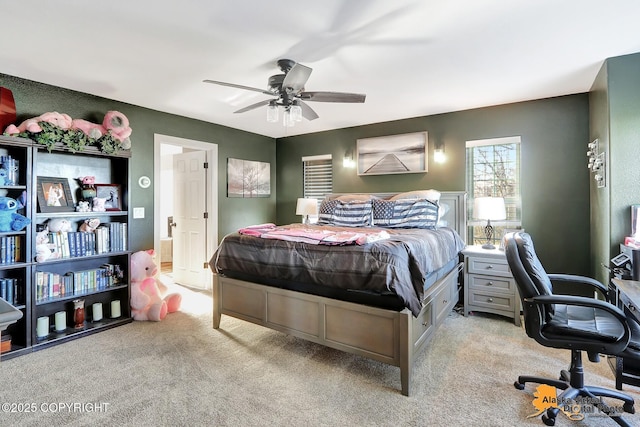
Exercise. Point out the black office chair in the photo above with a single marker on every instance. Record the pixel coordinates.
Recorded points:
(569, 322)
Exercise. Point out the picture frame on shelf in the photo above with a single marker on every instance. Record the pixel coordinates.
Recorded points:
(54, 194)
(505, 232)
(112, 194)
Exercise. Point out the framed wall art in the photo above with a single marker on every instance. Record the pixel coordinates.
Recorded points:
(406, 153)
(54, 194)
(112, 195)
(247, 178)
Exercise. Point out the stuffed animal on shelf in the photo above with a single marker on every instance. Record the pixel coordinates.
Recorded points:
(44, 249)
(59, 225)
(89, 225)
(118, 125)
(99, 204)
(10, 220)
(63, 121)
(83, 206)
(149, 298)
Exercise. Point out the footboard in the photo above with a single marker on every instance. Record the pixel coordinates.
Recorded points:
(338, 324)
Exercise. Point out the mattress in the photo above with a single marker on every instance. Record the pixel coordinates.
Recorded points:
(393, 272)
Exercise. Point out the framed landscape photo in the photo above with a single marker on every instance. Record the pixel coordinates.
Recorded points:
(382, 155)
(54, 194)
(112, 195)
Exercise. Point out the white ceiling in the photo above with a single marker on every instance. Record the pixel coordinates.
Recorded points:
(411, 58)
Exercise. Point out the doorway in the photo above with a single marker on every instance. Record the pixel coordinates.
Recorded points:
(166, 148)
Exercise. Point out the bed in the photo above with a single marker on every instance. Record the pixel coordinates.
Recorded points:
(386, 311)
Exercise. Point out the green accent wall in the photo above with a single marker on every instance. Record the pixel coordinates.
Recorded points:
(555, 178)
(33, 98)
(615, 118)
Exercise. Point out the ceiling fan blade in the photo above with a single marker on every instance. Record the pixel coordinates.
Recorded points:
(307, 112)
(253, 106)
(266, 92)
(296, 78)
(333, 97)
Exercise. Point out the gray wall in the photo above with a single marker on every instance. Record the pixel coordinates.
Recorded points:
(615, 121)
(555, 181)
(33, 99)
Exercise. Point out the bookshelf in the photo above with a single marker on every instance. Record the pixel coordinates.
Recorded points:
(91, 266)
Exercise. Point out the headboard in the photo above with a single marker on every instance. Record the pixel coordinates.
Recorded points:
(455, 216)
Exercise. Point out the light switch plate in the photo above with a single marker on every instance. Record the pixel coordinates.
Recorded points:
(138, 212)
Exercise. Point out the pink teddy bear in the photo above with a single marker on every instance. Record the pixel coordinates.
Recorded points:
(63, 121)
(149, 300)
(114, 122)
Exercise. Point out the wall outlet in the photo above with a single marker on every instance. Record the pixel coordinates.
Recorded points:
(138, 212)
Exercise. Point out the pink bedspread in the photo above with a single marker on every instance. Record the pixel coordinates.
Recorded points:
(315, 234)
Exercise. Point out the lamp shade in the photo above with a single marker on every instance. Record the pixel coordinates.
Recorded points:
(307, 207)
(490, 208)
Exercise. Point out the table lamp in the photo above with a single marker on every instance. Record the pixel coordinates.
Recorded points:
(489, 208)
(306, 207)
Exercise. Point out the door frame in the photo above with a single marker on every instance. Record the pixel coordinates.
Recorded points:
(212, 186)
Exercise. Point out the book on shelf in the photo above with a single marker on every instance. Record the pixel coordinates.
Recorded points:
(5, 343)
(10, 249)
(106, 238)
(10, 290)
(51, 286)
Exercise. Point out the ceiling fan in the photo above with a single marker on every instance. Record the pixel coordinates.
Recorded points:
(288, 92)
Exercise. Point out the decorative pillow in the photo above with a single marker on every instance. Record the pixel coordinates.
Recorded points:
(407, 213)
(433, 195)
(345, 214)
(355, 197)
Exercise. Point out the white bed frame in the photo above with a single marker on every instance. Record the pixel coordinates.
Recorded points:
(385, 335)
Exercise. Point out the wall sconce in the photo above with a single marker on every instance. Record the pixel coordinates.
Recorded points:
(438, 154)
(348, 161)
(597, 163)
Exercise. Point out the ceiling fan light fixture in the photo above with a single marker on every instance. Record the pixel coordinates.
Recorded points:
(287, 119)
(272, 112)
(296, 112)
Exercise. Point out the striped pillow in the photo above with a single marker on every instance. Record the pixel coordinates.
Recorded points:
(345, 214)
(406, 213)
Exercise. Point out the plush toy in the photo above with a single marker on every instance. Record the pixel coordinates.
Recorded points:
(148, 299)
(9, 219)
(44, 249)
(118, 125)
(99, 204)
(83, 206)
(59, 225)
(92, 130)
(89, 225)
(63, 121)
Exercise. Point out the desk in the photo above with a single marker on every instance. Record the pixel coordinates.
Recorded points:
(626, 295)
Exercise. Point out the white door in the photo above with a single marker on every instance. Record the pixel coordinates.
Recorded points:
(189, 216)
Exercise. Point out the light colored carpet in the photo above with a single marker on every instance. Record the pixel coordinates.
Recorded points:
(182, 372)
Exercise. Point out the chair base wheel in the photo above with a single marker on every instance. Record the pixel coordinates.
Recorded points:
(548, 421)
(629, 408)
(518, 385)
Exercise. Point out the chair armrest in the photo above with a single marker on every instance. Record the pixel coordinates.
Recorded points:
(580, 280)
(586, 302)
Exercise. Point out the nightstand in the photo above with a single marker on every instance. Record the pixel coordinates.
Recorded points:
(488, 284)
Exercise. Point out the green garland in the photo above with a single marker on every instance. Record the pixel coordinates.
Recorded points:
(74, 139)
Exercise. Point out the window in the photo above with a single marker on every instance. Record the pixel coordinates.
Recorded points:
(318, 178)
(493, 169)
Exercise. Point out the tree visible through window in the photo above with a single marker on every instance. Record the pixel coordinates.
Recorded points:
(493, 169)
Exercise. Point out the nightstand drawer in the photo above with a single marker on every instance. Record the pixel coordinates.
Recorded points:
(494, 267)
(488, 283)
(492, 301)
